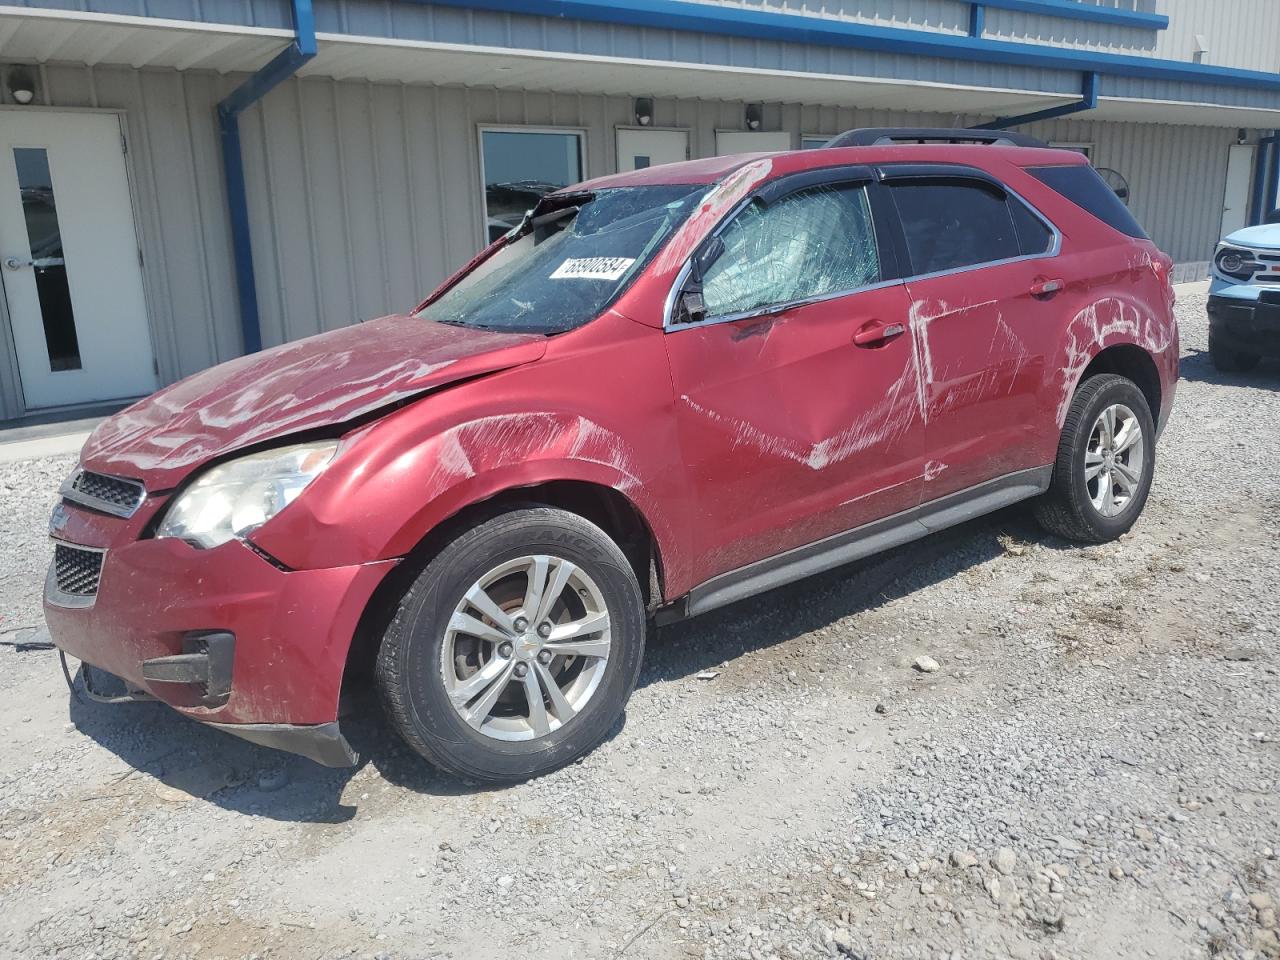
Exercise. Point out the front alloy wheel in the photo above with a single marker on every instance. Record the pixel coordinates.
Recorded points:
(526, 648)
(515, 649)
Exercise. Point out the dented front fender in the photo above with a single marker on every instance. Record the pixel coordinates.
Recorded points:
(398, 478)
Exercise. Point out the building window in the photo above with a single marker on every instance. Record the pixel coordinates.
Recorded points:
(1084, 148)
(520, 164)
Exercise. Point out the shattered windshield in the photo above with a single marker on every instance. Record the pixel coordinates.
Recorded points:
(571, 265)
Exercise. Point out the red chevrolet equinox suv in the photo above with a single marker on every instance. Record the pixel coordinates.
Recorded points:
(659, 393)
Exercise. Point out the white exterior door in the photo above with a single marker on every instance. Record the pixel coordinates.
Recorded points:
(638, 149)
(69, 259)
(1235, 204)
(751, 141)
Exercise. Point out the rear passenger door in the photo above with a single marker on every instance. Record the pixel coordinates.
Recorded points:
(796, 385)
(981, 284)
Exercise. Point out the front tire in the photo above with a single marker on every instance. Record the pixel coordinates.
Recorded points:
(516, 648)
(1227, 360)
(1106, 459)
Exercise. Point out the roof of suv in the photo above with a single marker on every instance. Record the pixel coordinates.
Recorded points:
(711, 169)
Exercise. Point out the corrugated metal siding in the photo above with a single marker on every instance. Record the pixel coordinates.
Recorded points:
(1189, 93)
(944, 16)
(409, 21)
(1238, 33)
(364, 196)
(1077, 34)
(254, 13)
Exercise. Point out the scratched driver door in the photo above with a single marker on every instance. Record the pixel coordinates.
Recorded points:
(798, 395)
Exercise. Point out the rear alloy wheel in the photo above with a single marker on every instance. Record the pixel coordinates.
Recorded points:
(1114, 459)
(1106, 458)
(516, 648)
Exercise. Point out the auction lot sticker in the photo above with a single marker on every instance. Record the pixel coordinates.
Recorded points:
(593, 268)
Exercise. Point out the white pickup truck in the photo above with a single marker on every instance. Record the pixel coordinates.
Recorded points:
(1244, 297)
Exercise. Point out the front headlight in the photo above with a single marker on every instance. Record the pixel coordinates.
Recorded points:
(1235, 263)
(235, 498)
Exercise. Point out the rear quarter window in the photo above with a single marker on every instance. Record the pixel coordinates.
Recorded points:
(1034, 237)
(1081, 185)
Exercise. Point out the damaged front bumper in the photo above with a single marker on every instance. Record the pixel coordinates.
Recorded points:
(223, 635)
(321, 742)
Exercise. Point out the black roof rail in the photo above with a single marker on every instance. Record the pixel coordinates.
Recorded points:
(881, 136)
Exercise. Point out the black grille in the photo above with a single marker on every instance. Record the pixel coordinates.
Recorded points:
(125, 494)
(76, 571)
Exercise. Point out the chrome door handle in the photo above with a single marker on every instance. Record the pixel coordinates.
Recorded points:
(17, 263)
(876, 332)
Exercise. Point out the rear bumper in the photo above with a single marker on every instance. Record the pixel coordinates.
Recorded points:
(221, 635)
(1249, 326)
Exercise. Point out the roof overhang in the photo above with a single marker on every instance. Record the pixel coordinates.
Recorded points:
(35, 35)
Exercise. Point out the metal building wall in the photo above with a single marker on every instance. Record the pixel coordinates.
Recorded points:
(364, 196)
(1239, 33)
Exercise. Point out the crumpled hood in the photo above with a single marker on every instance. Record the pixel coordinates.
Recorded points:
(322, 380)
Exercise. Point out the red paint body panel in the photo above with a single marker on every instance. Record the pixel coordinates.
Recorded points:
(292, 629)
(790, 432)
(573, 415)
(734, 441)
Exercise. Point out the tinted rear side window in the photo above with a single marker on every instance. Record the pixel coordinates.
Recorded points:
(949, 225)
(1082, 186)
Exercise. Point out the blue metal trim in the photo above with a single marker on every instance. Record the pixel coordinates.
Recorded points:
(1075, 10)
(282, 66)
(1261, 165)
(1273, 178)
(977, 20)
(755, 24)
(1088, 100)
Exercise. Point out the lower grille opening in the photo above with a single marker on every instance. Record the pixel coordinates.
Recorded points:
(77, 570)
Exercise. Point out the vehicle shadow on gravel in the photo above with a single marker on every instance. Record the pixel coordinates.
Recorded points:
(705, 642)
(1198, 367)
(175, 758)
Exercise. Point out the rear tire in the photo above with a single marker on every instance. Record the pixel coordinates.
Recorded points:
(526, 600)
(1228, 360)
(1103, 472)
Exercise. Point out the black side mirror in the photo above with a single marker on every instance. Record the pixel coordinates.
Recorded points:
(1273, 216)
(690, 307)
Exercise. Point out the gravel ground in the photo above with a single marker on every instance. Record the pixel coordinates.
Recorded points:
(1091, 770)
